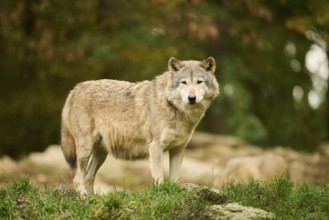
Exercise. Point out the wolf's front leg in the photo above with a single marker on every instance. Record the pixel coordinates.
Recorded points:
(156, 155)
(175, 162)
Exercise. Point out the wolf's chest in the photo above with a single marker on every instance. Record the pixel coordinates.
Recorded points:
(171, 137)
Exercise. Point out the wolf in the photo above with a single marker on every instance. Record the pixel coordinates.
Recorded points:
(134, 121)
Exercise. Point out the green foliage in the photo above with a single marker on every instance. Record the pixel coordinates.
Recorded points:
(21, 199)
(24, 200)
(283, 198)
(49, 46)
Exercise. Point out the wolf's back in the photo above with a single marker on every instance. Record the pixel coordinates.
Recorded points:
(67, 140)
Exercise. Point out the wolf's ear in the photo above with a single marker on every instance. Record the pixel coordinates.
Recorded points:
(209, 64)
(174, 65)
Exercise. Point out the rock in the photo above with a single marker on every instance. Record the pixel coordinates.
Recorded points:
(102, 188)
(138, 172)
(7, 165)
(52, 157)
(209, 159)
(226, 211)
(235, 211)
(262, 167)
(209, 194)
(190, 186)
(125, 173)
(196, 171)
(200, 139)
(324, 149)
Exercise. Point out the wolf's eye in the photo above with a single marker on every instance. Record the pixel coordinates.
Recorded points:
(183, 82)
(199, 81)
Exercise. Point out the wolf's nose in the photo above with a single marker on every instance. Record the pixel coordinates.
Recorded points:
(191, 99)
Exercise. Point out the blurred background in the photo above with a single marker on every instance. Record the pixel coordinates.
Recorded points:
(272, 62)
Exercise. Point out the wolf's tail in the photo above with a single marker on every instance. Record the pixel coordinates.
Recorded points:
(67, 140)
(68, 147)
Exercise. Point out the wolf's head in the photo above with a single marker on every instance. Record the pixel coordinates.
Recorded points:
(192, 81)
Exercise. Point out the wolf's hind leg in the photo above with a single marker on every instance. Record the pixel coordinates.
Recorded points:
(84, 151)
(97, 159)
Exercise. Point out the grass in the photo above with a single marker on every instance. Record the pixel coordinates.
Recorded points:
(286, 200)
(21, 199)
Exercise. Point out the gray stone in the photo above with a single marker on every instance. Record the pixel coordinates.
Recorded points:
(235, 211)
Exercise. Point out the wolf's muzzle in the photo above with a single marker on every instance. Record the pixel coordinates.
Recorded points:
(191, 99)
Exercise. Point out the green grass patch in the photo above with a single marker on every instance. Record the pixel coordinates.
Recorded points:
(282, 197)
(21, 199)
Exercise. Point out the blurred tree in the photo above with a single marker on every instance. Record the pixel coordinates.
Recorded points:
(262, 65)
(260, 47)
